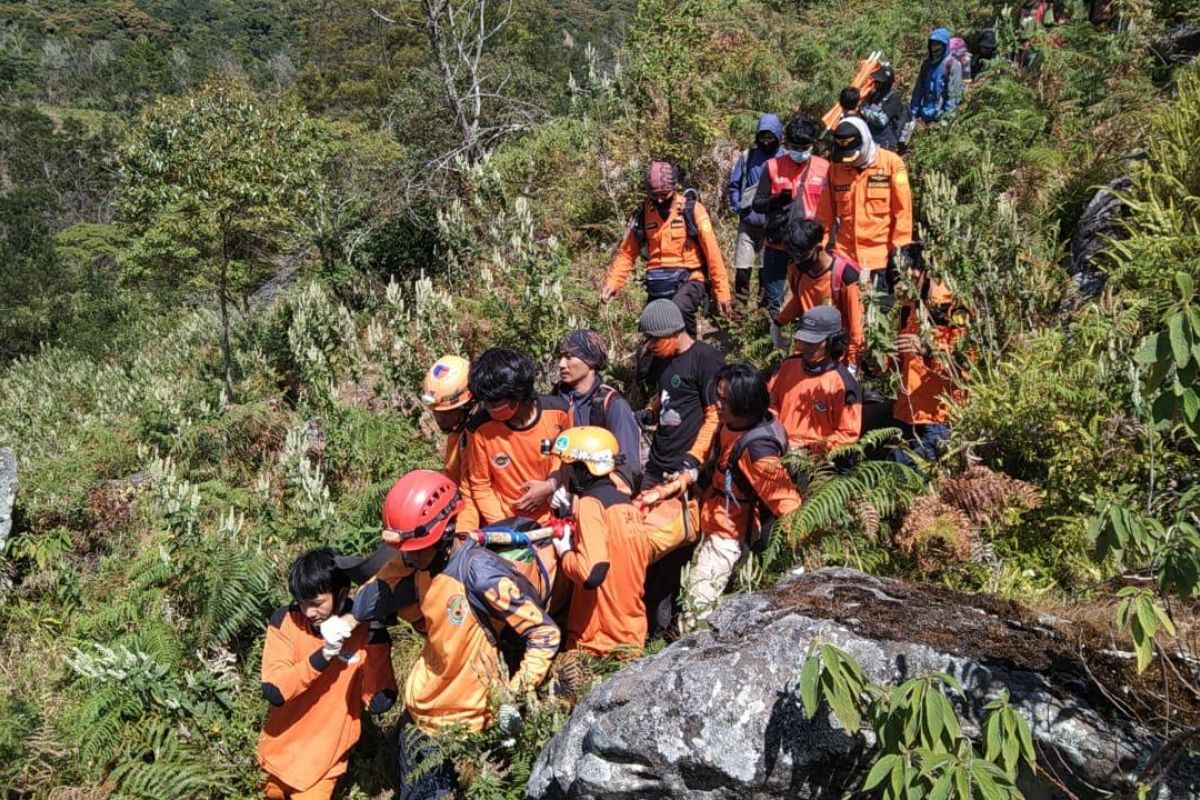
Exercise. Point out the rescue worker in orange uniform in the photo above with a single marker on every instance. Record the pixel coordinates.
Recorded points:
(467, 596)
(317, 675)
(681, 249)
(606, 554)
(872, 198)
(750, 487)
(817, 277)
(684, 413)
(793, 184)
(814, 394)
(928, 347)
(506, 470)
(447, 395)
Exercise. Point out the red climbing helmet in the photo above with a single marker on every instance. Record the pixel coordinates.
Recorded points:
(418, 510)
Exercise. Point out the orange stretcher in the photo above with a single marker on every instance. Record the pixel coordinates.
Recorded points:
(861, 81)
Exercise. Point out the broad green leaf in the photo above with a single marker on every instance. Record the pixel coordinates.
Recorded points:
(934, 724)
(992, 737)
(1191, 404)
(1163, 410)
(1181, 339)
(1187, 287)
(1011, 750)
(941, 788)
(1152, 349)
(1163, 619)
(1025, 735)
(1145, 615)
(880, 771)
(808, 685)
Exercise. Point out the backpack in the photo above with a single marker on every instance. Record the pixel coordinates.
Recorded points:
(837, 280)
(768, 430)
(690, 198)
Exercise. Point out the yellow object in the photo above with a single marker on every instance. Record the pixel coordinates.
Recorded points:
(591, 445)
(445, 385)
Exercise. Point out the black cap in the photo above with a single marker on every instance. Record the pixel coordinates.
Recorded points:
(847, 141)
(818, 324)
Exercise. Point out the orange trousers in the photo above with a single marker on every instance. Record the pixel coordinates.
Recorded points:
(276, 789)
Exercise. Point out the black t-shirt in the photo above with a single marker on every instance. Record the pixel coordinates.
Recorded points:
(685, 386)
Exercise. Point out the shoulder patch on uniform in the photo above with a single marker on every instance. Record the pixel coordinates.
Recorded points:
(706, 225)
(901, 178)
(279, 615)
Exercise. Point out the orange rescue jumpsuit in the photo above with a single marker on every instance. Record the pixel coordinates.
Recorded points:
(668, 246)
(819, 409)
(502, 457)
(316, 704)
(608, 569)
(809, 292)
(927, 383)
(874, 208)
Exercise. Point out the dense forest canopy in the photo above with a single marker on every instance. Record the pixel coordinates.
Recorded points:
(235, 233)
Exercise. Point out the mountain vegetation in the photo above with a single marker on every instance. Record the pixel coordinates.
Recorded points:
(235, 234)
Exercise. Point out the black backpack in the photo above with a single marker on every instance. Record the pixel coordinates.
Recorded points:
(769, 430)
(690, 198)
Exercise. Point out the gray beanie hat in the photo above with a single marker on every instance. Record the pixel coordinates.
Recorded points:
(660, 318)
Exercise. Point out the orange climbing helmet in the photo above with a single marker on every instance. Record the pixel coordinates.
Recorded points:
(445, 385)
(418, 510)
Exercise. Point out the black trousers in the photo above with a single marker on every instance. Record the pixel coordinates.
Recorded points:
(422, 771)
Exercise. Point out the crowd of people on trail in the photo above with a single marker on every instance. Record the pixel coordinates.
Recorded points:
(574, 522)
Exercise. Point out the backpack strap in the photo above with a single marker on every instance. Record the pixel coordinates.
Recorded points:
(637, 223)
(768, 431)
(837, 280)
(690, 198)
(601, 400)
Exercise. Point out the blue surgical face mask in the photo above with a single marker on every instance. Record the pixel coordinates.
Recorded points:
(800, 156)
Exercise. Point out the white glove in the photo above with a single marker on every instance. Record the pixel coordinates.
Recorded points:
(562, 544)
(561, 500)
(852, 369)
(508, 719)
(335, 631)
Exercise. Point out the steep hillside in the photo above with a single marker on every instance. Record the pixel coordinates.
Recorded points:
(167, 478)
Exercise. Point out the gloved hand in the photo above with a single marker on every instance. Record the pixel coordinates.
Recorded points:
(852, 369)
(335, 631)
(561, 501)
(564, 541)
(645, 417)
(781, 200)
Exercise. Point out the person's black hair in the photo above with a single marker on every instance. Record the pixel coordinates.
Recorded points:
(848, 98)
(837, 345)
(748, 396)
(502, 374)
(801, 131)
(315, 573)
(802, 235)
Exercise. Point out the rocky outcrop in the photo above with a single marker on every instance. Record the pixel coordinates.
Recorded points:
(8, 492)
(711, 717)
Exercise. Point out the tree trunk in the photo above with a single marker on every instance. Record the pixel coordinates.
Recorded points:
(223, 300)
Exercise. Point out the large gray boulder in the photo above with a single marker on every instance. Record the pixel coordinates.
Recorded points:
(8, 492)
(710, 716)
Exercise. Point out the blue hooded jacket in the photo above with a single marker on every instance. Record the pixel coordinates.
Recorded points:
(748, 169)
(932, 95)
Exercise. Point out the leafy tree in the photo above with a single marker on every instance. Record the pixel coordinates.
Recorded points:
(31, 284)
(210, 181)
